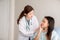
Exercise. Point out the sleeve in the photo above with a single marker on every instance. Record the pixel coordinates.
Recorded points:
(32, 38)
(35, 26)
(36, 23)
(22, 29)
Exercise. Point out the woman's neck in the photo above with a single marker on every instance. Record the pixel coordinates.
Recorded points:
(27, 18)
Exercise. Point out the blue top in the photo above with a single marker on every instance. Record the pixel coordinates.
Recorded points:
(43, 37)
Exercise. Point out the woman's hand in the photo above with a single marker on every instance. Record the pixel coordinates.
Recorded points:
(39, 29)
(38, 33)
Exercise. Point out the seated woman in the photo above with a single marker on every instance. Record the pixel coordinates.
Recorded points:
(46, 31)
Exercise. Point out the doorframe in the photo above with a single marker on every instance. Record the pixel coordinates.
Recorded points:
(12, 14)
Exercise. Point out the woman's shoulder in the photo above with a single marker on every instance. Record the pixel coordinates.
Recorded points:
(54, 32)
(22, 19)
(55, 35)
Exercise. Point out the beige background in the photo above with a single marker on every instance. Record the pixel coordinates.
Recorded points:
(10, 10)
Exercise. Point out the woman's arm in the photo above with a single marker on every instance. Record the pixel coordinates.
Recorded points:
(38, 34)
(37, 37)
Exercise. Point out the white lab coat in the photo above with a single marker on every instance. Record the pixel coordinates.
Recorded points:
(23, 33)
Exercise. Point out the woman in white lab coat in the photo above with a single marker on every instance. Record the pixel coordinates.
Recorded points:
(28, 23)
(47, 31)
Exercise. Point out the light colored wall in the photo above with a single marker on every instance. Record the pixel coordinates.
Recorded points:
(4, 19)
(42, 8)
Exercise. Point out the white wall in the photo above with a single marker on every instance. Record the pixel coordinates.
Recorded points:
(42, 8)
(4, 19)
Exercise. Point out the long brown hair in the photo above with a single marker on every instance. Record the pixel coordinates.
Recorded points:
(26, 10)
(50, 27)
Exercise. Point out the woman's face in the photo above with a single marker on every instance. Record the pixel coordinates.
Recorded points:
(30, 14)
(44, 24)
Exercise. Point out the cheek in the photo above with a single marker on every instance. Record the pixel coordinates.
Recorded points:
(29, 16)
(46, 25)
(42, 24)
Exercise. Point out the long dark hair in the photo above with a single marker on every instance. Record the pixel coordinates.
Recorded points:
(26, 10)
(51, 22)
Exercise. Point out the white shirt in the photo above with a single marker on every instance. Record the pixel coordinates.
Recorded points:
(23, 33)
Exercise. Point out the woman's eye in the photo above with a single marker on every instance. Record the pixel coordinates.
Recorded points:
(29, 14)
(43, 21)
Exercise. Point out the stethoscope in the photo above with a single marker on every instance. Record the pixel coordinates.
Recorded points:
(28, 24)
